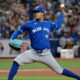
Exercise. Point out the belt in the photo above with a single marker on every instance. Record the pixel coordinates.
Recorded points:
(40, 51)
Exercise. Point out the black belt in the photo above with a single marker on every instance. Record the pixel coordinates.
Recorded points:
(40, 51)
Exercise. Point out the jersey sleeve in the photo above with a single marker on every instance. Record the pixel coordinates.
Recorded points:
(24, 27)
(57, 24)
(15, 34)
(20, 30)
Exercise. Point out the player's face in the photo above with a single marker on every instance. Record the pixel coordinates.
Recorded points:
(39, 15)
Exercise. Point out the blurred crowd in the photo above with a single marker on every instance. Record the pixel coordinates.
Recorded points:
(13, 13)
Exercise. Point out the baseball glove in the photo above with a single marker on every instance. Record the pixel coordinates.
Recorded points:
(16, 44)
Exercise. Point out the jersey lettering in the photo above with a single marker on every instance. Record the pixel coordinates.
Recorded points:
(36, 29)
(39, 28)
(46, 29)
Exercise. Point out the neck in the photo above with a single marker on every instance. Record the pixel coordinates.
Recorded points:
(39, 19)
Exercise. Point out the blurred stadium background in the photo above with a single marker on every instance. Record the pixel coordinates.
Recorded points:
(65, 42)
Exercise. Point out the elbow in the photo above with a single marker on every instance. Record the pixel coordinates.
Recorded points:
(15, 34)
(58, 27)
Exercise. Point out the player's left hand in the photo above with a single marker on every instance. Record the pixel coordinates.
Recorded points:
(16, 44)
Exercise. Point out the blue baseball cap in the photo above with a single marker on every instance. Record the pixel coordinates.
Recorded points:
(39, 9)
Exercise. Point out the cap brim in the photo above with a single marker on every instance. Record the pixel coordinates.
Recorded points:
(34, 11)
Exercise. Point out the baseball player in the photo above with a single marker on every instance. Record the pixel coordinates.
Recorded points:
(39, 31)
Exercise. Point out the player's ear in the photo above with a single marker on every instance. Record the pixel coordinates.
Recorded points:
(43, 14)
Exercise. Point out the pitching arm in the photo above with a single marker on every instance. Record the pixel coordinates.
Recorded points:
(57, 24)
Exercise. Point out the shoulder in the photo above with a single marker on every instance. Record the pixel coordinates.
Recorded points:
(47, 22)
(27, 23)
